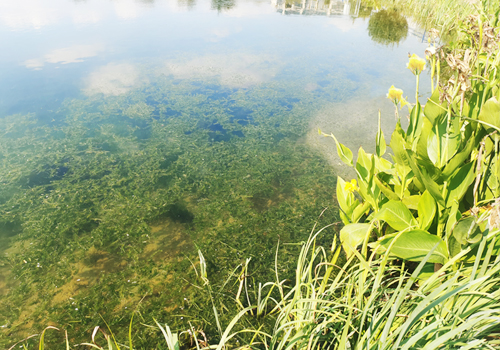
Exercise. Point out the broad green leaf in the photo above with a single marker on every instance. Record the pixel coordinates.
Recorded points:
(347, 201)
(459, 158)
(414, 245)
(424, 136)
(344, 153)
(453, 217)
(385, 188)
(380, 145)
(454, 247)
(426, 210)
(345, 219)
(398, 145)
(416, 122)
(365, 168)
(382, 164)
(352, 236)
(493, 177)
(426, 272)
(434, 110)
(490, 114)
(365, 165)
(396, 215)
(459, 183)
(359, 211)
(442, 145)
(411, 202)
(467, 231)
(426, 181)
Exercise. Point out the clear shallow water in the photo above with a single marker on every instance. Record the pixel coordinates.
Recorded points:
(59, 49)
(134, 132)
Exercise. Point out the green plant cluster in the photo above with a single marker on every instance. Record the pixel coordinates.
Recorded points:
(444, 172)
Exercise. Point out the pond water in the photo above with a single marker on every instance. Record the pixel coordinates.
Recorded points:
(133, 133)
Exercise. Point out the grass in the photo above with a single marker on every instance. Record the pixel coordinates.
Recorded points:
(372, 303)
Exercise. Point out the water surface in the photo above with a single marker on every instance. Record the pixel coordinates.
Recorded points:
(135, 132)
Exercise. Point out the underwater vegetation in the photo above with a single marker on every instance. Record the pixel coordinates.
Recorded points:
(105, 205)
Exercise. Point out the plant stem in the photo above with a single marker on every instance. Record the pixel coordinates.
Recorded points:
(416, 92)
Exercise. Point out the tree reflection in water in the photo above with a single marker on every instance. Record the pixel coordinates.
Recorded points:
(221, 5)
(387, 27)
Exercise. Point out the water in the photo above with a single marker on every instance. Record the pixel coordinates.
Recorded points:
(136, 132)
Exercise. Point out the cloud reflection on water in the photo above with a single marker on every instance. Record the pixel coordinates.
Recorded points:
(72, 54)
(113, 79)
(234, 70)
(36, 14)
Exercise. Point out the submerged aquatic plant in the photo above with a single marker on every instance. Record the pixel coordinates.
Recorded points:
(103, 207)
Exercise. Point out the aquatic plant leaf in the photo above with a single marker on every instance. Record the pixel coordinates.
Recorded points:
(435, 111)
(490, 114)
(411, 202)
(459, 158)
(360, 210)
(459, 183)
(424, 136)
(453, 217)
(347, 201)
(365, 168)
(380, 146)
(416, 122)
(442, 145)
(382, 164)
(467, 231)
(385, 188)
(414, 245)
(426, 181)
(398, 145)
(365, 165)
(344, 153)
(380, 139)
(426, 210)
(396, 215)
(352, 236)
(454, 247)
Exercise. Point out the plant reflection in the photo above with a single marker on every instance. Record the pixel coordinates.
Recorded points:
(189, 4)
(387, 27)
(221, 5)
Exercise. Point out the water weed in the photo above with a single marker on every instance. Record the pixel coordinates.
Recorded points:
(103, 213)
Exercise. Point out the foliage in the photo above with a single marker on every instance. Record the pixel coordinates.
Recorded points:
(441, 185)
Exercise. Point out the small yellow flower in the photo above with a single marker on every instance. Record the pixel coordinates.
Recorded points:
(394, 94)
(351, 186)
(416, 64)
(403, 102)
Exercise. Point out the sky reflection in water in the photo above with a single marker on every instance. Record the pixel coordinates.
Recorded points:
(59, 49)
